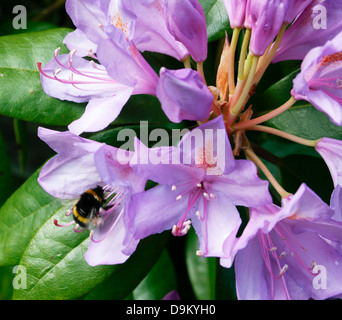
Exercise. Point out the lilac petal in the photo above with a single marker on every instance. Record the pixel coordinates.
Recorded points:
(336, 203)
(151, 33)
(236, 12)
(72, 171)
(208, 147)
(77, 40)
(121, 17)
(163, 165)
(183, 95)
(128, 67)
(109, 248)
(219, 220)
(90, 81)
(149, 217)
(323, 102)
(251, 283)
(331, 152)
(172, 295)
(306, 205)
(88, 16)
(116, 171)
(261, 218)
(265, 18)
(313, 249)
(243, 185)
(301, 36)
(186, 22)
(100, 112)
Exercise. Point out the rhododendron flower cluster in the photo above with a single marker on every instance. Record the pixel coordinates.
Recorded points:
(215, 168)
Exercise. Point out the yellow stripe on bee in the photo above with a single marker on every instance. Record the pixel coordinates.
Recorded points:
(94, 194)
(79, 217)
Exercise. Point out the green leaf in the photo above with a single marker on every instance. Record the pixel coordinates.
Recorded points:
(127, 276)
(202, 272)
(159, 281)
(216, 18)
(302, 119)
(21, 217)
(54, 257)
(19, 55)
(6, 181)
(305, 121)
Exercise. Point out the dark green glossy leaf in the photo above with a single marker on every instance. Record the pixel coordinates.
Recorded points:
(202, 271)
(216, 18)
(159, 281)
(21, 217)
(6, 182)
(127, 276)
(19, 55)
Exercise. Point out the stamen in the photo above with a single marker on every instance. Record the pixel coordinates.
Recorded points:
(173, 188)
(205, 195)
(62, 225)
(283, 270)
(77, 230)
(179, 197)
(199, 253)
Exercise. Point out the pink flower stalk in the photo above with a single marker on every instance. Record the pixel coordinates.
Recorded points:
(282, 251)
(320, 81)
(331, 152)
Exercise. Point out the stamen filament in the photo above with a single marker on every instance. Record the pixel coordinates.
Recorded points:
(285, 135)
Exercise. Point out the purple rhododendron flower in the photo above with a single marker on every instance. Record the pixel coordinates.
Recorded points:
(204, 187)
(320, 82)
(183, 95)
(265, 18)
(108, 86)
(82, 164)
(303, 35)
(151, 32)
(284, 252)
(331, 152)
(186, 22)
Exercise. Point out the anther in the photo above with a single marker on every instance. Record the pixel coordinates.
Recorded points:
(283, 270)
(173, 188)
(199, 185)
(56, 71)
(199, 253)
(282, 255)
(273, 249)
(198, 214)
(205, 195)
(179, 197)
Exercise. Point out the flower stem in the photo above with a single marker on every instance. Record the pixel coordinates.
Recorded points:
(187, 62)
(253, 157)
(267, 116)
(236, 108)
(201, 70)
(285, 135)
(244, 48)
(231, 60)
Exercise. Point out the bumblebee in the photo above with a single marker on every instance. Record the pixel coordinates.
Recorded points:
(88, 206)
